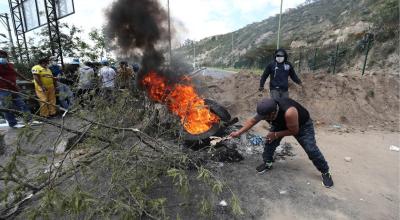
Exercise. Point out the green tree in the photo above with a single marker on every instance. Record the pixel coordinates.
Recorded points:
(98, 37)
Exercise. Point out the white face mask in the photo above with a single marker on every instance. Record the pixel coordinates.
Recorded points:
(3, 60)
(280, 59)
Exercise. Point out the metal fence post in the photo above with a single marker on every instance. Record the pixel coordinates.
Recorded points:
(300, 61)
(369, 40)
(335, 58)
(315, 60)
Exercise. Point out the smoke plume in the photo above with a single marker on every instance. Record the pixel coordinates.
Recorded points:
(139, 24)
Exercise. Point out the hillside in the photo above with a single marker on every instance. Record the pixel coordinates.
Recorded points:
(313, 29)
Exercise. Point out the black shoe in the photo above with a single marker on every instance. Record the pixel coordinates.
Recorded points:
(327, 180)
(264, 167)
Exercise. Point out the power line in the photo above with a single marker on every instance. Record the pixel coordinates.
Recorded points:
(279, 27)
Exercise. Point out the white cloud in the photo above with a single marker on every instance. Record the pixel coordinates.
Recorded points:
(203, 18)
(89, 14)
(200, 18)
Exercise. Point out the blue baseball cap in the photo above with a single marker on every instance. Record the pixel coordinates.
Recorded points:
(75, 61)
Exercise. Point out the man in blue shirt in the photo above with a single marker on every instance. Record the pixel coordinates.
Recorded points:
(279, 70)
(54, 67)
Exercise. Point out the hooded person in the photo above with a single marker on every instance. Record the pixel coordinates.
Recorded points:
(279, 71)
(287, 118)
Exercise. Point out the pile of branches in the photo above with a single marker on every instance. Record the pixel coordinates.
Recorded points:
(126, 160)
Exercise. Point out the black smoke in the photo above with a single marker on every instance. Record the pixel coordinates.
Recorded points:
(139, 24)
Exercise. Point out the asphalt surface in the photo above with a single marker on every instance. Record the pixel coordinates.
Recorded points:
(216, 73)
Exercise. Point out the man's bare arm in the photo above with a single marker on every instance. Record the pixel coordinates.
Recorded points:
(292, 123)
(247, 125)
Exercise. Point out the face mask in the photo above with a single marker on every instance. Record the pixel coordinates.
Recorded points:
(3, 60)
(280, 59)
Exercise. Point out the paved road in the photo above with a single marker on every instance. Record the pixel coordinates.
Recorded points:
(216, 73)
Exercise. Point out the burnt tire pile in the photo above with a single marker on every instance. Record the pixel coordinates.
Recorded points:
(201, 141)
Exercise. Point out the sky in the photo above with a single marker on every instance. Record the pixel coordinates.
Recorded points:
(197, 19)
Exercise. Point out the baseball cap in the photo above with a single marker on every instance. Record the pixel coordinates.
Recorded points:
(75, 61)
(266, 106)
(104, 61)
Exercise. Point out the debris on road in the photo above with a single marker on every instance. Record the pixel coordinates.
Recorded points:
(394, 148)
(348, 159)
(223, 203)
(284, 150)
(256, 140)
(215, 140)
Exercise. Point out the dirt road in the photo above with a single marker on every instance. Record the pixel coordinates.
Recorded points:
(365, 188)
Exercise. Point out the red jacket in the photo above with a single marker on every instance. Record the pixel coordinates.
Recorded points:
(8, 77)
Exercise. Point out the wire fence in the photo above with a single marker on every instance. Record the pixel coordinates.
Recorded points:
(331, 58)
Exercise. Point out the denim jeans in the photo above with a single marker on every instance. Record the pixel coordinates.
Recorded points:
(65, 95)
(306, 138)
(277, 94)
(13, 101)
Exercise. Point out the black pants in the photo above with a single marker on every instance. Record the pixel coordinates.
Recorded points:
(306, 138)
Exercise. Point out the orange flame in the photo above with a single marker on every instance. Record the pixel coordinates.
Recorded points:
(182, 100)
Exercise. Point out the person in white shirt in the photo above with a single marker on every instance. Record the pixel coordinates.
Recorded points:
(86, 77)
(107, 77)
(86, 83)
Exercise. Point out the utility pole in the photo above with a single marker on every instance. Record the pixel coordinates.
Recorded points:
(194, 55)
(232, 52)
(232, 42)
(279, 27)
(169, 35)
(6, 23)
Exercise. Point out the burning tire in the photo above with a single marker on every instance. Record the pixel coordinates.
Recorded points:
(201, 137)
(201, 118)
(222, 113)
(219, 110)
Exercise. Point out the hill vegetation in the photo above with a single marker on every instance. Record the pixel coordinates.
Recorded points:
(318, 24)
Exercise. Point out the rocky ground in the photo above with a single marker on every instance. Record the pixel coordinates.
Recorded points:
(356, 123)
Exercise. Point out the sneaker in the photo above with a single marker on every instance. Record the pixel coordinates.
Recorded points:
(264, 167)
(327, 180)
(18, 126)
(31, 123)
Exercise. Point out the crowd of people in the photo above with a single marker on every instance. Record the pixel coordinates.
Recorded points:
(57, 88)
